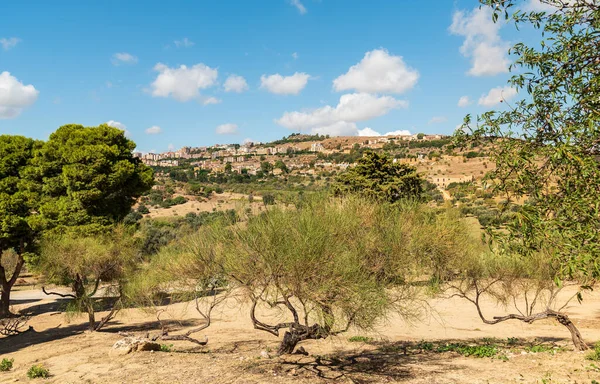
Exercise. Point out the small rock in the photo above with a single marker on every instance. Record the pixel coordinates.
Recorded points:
(133, 344)
(265, 355)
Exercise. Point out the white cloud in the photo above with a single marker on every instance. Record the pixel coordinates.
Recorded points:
(295, 55)
(497, 95)
(15, 96)
(301, 8)
(8, 43)
(464, 101)
(341, 119)
(235, 83)
(185, 43)
(183, 83)
(119, 125)
(124, 58)
(210, 100)
(483, 44)
(368, 132)
(154, 130)
(288, 85)
(438, 120)
(378, 72)
(371, 132)
(227, 129)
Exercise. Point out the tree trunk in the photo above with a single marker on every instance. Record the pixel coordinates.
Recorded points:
(5, 302)
(578, 341)
(298, 333)
(288, 343)
(7, 285)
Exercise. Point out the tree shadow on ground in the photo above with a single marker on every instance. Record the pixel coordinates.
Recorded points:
(32, 337)
(379, 361)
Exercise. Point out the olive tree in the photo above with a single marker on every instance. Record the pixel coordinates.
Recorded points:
(16, 233)
(546, 146)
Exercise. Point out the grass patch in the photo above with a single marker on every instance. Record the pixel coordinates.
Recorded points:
(6, 365)
(487, 350)
(360, 339)
(166, 347)
(595, 354)
(37, 371)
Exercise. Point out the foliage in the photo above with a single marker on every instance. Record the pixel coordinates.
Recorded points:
(6, 364)
(268, 199)
(82, 262)
(132, 218)
(38, 371)
(360, 339)
(143, 209)
(86, 178)
(486, 350)
(595, 354)
(546, 145)
(377, 176)
(15, 208)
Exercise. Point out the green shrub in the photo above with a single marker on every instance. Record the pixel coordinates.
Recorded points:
(6, 365)
(166, 347)
(595, 355)
(360, 339)
(37, 371)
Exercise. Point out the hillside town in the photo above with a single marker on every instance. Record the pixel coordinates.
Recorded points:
(303, 155)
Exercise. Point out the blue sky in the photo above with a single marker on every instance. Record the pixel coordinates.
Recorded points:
(325, 66)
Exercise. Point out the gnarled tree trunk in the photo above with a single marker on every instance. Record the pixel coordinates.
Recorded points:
(298, 333)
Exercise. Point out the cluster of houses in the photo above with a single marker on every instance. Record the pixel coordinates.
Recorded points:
(247, 158)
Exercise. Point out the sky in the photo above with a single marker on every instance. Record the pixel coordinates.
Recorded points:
(195, 73)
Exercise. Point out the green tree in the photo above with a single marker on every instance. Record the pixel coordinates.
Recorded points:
(545, 146)
(279, 164)
(266, 167)
(376, 175)
(83, 262)
(228, 167)
(86, 178)
(15, 210)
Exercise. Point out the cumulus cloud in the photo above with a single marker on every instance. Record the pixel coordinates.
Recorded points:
(438, 120)
(371, 133)
(295, 55)
(15, 96)
(183, 83)
(227, 129)
(301, 8)
(124, 58)
(284, 85)
(185, 43)
(341, 119)
(235, 83)
(154, 130)
(483, 44)
(497, 95)
(464, 101)
(378, 72)
(8, 43)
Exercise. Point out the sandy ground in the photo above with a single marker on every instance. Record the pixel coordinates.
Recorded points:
(233, 354)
